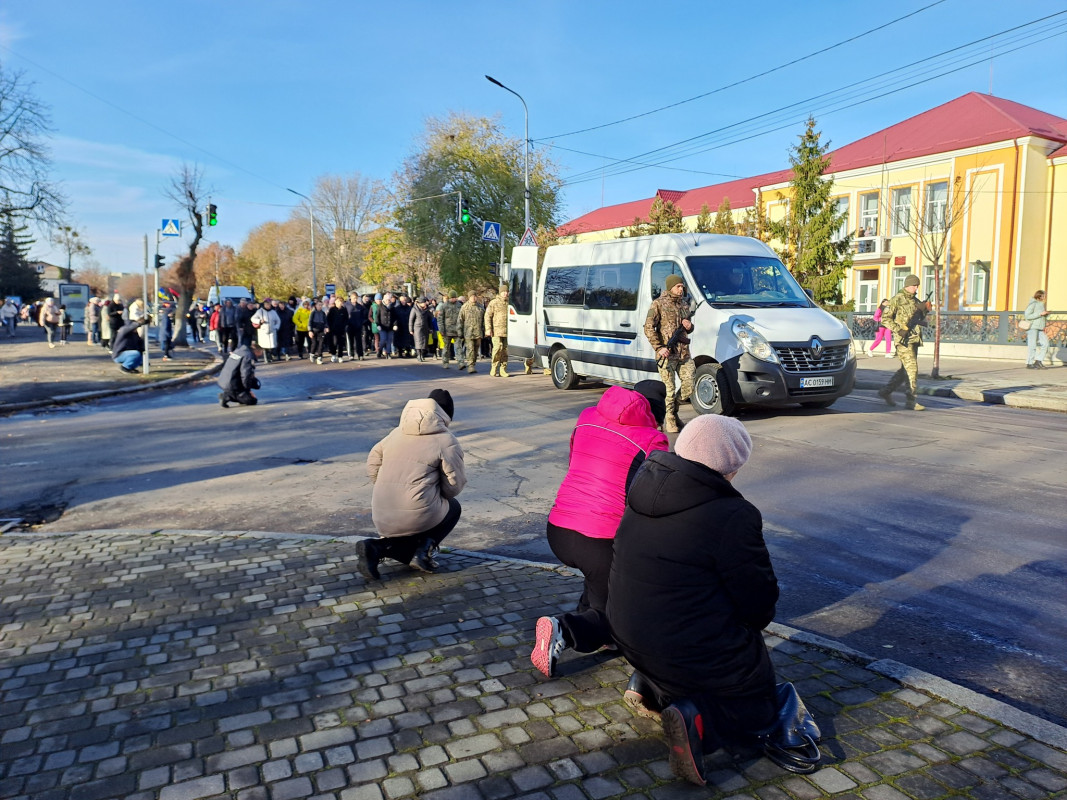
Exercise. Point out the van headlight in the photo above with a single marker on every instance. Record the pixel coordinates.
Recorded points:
(753, 342)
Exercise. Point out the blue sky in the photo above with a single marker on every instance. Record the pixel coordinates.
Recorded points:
(269, 94)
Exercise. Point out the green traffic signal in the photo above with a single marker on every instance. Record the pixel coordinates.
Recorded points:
(465, 215)
(212, 215)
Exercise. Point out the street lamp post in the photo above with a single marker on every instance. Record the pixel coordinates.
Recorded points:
(526, 142)
(311, 208)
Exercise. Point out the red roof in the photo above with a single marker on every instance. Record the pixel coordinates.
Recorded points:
(968, 121)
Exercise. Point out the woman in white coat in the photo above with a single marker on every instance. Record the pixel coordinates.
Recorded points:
(267, 322)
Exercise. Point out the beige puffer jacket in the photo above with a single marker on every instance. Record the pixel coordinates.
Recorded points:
(415, 469)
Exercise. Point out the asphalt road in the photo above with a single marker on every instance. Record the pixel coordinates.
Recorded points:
(934, 538)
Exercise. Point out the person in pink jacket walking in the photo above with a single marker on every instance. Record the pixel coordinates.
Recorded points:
(610, 442)
(883, 334)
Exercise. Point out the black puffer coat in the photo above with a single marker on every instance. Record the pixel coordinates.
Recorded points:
(691, 582)
(239, 372)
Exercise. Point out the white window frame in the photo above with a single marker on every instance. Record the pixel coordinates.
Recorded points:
(976, 279)
(936, 206)
(901, 211)
(897, 279)
(867, 215)
(841, 204)
(927, 284)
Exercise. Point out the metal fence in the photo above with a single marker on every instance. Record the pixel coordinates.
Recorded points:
(994, 327)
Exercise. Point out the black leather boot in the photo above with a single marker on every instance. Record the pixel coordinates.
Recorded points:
(423, 560)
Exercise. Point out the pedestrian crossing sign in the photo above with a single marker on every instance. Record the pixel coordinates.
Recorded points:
(528, 239)
(171, 227)
(491, 232)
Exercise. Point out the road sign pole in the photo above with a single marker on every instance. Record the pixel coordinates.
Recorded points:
(144, 299)
(500, 270)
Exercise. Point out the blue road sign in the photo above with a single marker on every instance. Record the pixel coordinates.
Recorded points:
(171, 227)
(491, 232)
(330, 288)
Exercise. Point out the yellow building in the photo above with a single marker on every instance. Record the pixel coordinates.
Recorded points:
(985, 176)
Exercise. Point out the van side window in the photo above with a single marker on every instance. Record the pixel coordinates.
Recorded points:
(613, 286)
(660, 271)
(565, 286)
(520, 292)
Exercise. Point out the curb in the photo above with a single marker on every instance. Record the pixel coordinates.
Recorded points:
(997, 711)
(78, 397)
(978, 394)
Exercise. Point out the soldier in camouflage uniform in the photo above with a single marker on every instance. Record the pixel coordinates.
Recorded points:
(496, 326)
(667, 312)
(903, 316)
(448, 325)
(470, 322)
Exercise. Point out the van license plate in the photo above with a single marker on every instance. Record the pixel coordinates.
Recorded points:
(811, 383)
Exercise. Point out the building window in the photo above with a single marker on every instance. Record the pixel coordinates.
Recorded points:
(899, 274)
(869, 214)
(927, 287)
(936, 201)
(841, 207)
(901, 211)
(976, 282)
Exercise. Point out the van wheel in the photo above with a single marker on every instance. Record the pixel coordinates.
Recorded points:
(818, 403)
(711, 394)
(563, 371)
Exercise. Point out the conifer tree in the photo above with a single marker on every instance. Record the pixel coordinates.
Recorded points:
(663, 217)
(17, 277)
(703, 223)
(724, 220)
(806, 234)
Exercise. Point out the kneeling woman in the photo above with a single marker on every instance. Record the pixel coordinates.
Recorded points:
(417, 472)
(690, 591)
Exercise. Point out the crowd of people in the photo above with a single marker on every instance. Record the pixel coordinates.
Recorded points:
(384, 325)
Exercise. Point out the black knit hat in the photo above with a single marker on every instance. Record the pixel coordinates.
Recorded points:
(656, 394)
(444, 399)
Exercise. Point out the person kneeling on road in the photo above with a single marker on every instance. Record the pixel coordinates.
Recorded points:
(129, 346)
(690, 591)
(417, 472)
(238, 376)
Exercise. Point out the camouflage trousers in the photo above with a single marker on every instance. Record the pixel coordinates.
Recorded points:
(908, 373)
(474, 346)
(500, 351)
(683, 370)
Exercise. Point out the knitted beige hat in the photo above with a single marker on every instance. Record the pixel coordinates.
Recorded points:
(721, 443)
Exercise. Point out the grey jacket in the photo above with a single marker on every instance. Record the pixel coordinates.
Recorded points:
(1033, 313)
(415, 469)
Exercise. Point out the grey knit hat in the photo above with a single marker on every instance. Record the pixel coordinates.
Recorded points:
(721, 443)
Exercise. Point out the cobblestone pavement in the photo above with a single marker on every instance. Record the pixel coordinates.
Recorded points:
(177, 665)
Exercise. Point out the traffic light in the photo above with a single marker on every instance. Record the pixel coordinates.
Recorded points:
(464, 214)
(159, 261)
(212, 215)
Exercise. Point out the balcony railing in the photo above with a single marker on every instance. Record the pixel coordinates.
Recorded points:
(871, 247)
(994, 327)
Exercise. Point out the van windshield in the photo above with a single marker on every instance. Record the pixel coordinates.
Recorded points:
(746, 282)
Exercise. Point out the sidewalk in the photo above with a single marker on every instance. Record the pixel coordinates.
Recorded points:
(33, 375)
(981, 381)
(263, 666)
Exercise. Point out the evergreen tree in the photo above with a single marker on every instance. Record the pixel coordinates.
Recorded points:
(663, 217)
(17, 277)
(724, 220)
(755, 223)
(703, 223)
(806, 234)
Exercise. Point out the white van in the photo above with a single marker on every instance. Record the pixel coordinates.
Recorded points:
(216, 294)
(757, 338)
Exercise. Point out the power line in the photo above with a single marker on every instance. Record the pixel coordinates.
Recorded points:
(853, 98)
(748, 79)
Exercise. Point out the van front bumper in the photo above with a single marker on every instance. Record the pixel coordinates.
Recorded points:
(757, 382)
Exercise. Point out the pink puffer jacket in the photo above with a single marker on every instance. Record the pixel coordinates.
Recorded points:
(605, 443)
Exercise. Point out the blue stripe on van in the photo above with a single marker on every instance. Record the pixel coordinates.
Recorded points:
(577, 338)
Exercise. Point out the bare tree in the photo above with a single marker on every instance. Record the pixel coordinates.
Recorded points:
(24, 160)
(69, 239)
(930, 226)
(187, 190)
(346, 209)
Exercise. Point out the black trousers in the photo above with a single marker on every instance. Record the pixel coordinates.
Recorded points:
(355, 342)
(586, 629)
(302, 343)
(317, 341)
(402, 548)
(244, 398)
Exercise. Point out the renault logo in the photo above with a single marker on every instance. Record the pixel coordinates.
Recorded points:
(816, 347)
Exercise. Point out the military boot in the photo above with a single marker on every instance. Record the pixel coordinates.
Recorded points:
(504, 371)
(528, 366)
(493, 371)
(911, 405)
(671, 424)
(887, 394)
(471, 369)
